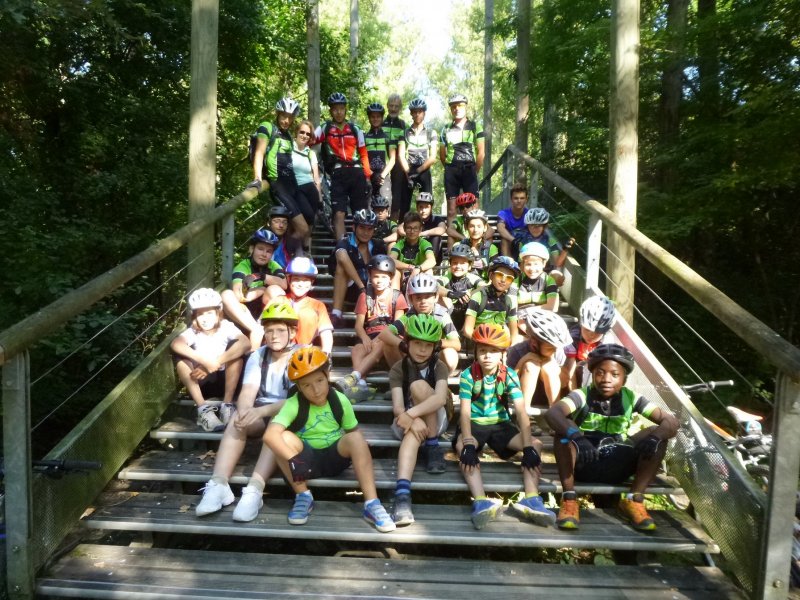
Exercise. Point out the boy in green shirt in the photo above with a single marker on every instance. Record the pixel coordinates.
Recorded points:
(412, 254)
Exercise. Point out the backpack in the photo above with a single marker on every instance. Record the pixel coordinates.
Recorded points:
(251, 149)
(329, 159)
(303, 407)
(500, 388)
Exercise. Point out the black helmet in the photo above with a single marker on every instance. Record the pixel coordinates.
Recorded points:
(376, 107)
(417, 104)
(337, 98)
(382, 264)
(614, 352)
(279, 210)
(379, 201)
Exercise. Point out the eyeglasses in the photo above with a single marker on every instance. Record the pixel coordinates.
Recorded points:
(305, 133)
(503, 277)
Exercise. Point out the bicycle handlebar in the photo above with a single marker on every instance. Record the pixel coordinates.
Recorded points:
(706, 386)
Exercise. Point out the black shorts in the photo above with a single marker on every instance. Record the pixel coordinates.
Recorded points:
(348, 187)
(283, 191)
(400, 192)
(324, 462)
(617, 462)
(460, 178)
(497, 436)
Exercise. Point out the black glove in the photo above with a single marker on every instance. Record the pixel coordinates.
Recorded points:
(376, 179)
(454, 295)
(587, 453)
(469, 456)
(412, 180)
(648, 447)
(300, 469)
(256, 183)
(568, 244)
(530, 458)
(403, 347)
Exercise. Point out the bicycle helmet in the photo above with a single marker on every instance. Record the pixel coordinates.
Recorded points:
(287, 105)
(282, 312)
(534, 249)
(503, 261)
(365, 216)
(462, 250)
(417, 104)
(279, 210)
(306, 360)
(537, 216)
(614, 352)
(302, 265)
(492, 334)
(375, 107)
(422, 283)
(597, 314)
(466, 199)
(264, 236)
(457, 98)
(382, 264)
(379, 201)
(424, 328)
(475, 214)
(337, 98)
(204, 298)
(548, 327)
(425, 197)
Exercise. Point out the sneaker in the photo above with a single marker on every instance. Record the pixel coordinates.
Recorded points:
(303, 505)
(226, 412)
(484, 511)
(401, 512)
(249, 504)
(568, 514)
(434, 459)
(348, 382)
(376, 515)
(636, 513)
(215, 496)
(533, 510)
(208, 420)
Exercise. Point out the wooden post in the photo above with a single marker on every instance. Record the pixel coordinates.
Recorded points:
(312, 62)
(623, 149)
(593, 254)
(354, 25)
(203, 138)
(523, 56)
(488, 64)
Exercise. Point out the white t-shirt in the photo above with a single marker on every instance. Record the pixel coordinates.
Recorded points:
(276, 383)
(212, 345)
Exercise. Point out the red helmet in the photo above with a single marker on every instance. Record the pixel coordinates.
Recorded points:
(466, 199)
(492, 334)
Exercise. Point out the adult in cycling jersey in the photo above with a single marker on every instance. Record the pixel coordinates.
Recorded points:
(416, 151)
(344, 155)
(395, 126)
(272, 159)
(381, 152)
(461, 152)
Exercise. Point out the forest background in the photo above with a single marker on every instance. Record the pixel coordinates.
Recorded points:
(94, 107)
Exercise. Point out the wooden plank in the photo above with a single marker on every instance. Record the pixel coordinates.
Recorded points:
(106, 570)
(442, 524)
(500, 477)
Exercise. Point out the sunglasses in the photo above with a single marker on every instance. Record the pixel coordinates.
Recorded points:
(305, 133)
(457, 105)
(503, 277)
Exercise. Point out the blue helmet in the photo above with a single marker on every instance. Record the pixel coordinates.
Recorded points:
(503, 261)
(264, 236)
(302, 265)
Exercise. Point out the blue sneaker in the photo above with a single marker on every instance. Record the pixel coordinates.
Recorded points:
(484, 510)
(303, 505)
(533, 510)
(376, 515)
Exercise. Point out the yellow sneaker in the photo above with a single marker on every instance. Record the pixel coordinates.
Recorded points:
(636, 513)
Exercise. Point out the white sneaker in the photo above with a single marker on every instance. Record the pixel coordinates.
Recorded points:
(207, 419)
(215, 496)
(249, 504)
(226, 412)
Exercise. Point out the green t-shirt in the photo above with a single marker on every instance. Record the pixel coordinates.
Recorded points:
(486, 409)
(496, 309)
(615, 417)
(461, 143)
(248, 267)
(412, 255)
(321, 429)
(278, 158)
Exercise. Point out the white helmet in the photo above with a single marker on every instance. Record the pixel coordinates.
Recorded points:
(547, 326)
(287, 105)
(476, 214)
(534, 249)
(537, 216)
(422, 283)
(205, 298)
(597, 314)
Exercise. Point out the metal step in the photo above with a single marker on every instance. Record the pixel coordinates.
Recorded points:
(435, 524)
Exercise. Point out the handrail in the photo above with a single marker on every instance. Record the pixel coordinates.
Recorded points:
(30, 330)
(488, 177)
(758, 335)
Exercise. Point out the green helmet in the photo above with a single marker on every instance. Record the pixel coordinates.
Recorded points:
(424, 328)
(282, 312)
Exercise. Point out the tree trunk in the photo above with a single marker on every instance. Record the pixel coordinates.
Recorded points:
(354, 25)
(488, 64)
(312, 62)
(523, 58)
(708, 60)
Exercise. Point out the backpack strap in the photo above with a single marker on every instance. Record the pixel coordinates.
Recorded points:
(500, 388)
(251, 152)
(304, 406)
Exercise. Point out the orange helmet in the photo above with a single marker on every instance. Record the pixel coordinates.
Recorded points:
(305, 361)
(492, 334)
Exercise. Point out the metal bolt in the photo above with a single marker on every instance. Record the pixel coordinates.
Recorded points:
(17, 588)
(15, 549)
(778, 584)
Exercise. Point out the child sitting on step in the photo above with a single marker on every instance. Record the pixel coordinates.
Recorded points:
(596, 317)
(316, 434)
(482, 248)
(493, 303)
(412, 254)
(377, 306)
(536, 288)
(418, 383)
(537, 220)
(385, 228)
(457, 230)
(456, 286)
(592, 443)
(487, 390)
(264, 389)
(208, 357)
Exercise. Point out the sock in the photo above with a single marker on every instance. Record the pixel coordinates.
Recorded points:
(476, 498)
(368, 502)
(356, 375)
(432, 442)
(635, 497)
(306, 493)
(403, 486)
(532, 495)
(219, 479)
(570, 496)
(336, 312)
(256, 482)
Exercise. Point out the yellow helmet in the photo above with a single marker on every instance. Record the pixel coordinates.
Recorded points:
(305, 361)
(280, 311)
